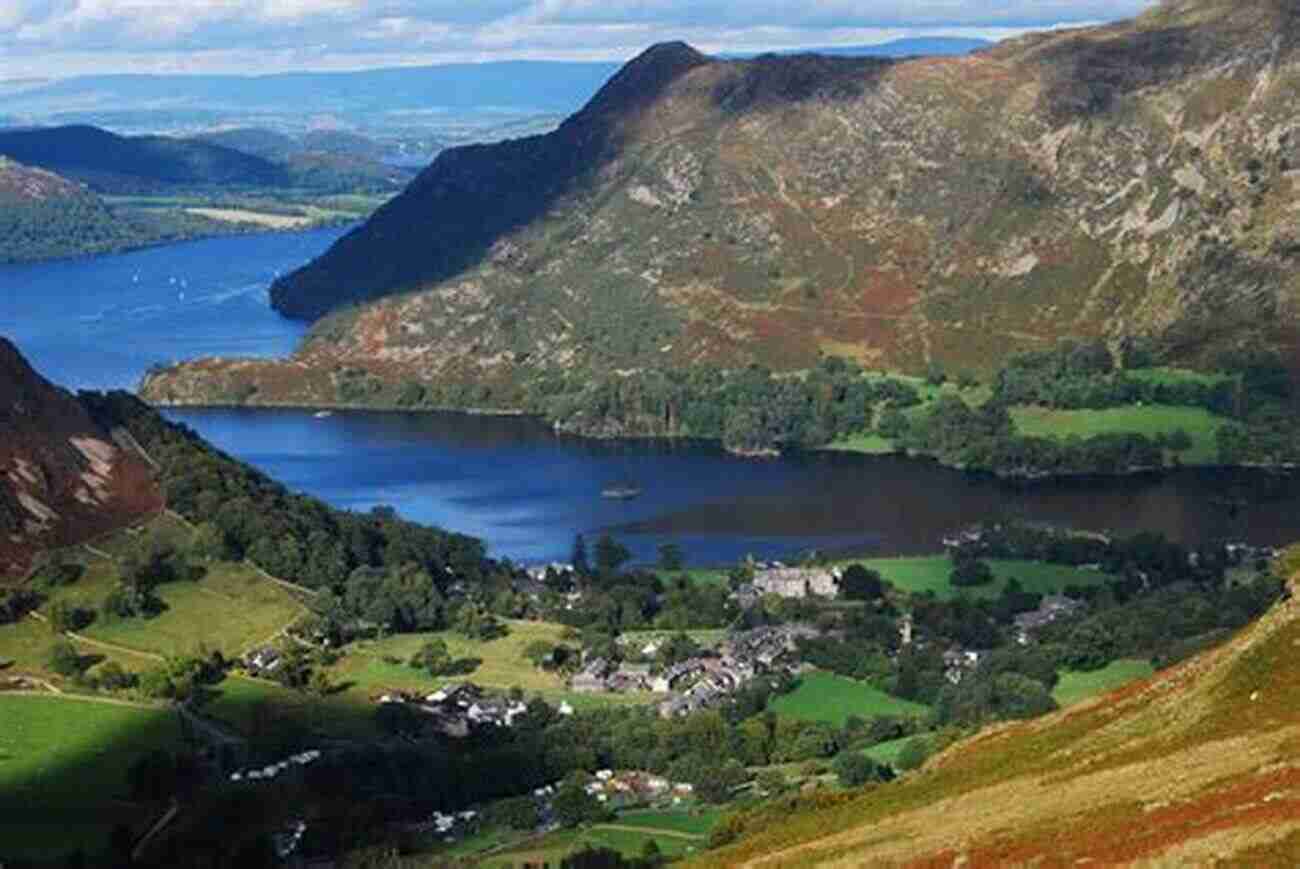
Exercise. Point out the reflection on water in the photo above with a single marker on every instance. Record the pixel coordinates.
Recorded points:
(527, 491)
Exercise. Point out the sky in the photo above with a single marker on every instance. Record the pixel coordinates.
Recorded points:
(56, 38)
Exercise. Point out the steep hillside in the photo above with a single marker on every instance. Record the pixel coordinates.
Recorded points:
(44, 215)
(63, 479)
(327, 160)
(1197, 766)
(1135, 179)
(119, 164)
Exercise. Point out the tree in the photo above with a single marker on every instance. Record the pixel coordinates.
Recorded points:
(64, 659)
(112, 677)
(771, 781)
(913, 753)
(518, 813)
(610, 555)
(540, 653)
(573, 805)
(578, 558)
(433, 657)
(1179, 440)
(670, 557)
(64, 616)
(209, 542)
(968, 572)
(859, 583)
(854, 769)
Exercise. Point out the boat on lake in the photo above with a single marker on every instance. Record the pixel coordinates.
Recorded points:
(323, 414)
(623, 491)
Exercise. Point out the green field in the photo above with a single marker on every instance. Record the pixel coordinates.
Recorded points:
(887, 752)
(554, 847)
(503, 666)
(872, 444)
(232, 608)
(830, 698)
(1075, 686)
(63, 765)
(930, 573)
(165, 528)
(699, 823)
(261, 710)
(867, 443)
(1201, 425)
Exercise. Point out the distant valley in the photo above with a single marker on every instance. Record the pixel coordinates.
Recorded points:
(78, 189)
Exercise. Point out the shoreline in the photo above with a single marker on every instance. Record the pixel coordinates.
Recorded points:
(753, 455)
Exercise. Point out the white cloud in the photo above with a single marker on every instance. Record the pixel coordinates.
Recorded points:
(59, 37)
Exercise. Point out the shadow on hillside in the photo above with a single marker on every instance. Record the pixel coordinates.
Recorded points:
(771, 81)
(450, 217)
(73, 802)
(1087, 76)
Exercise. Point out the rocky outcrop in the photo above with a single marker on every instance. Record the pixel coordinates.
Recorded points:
(1138, 179)
(63, 479)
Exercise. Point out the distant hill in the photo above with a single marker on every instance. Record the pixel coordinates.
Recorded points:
(138, 164)
(44, 215)
(931, 46)
(63, 479)
(260, 142)
(334, 160)
(281, 147)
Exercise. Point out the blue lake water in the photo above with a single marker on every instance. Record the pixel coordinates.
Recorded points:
(100, 322)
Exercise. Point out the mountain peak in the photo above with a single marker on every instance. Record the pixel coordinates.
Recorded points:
(644, 77)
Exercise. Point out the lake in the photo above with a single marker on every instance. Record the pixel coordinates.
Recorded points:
(100, 322)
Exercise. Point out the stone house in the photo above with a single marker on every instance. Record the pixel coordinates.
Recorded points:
(796, 582)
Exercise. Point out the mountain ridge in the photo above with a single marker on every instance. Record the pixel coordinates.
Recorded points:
(1128, 182)
(111, 163)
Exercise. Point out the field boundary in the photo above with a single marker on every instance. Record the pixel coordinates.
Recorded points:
(650, 831)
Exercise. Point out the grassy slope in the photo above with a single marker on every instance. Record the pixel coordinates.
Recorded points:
(1075, 686)
(831, 698)
(692, 823)
(888, 752)
(553, 848)
(930, 573)
(917, 574)
(1201, 425)
(232, 608)
(503, 666)
(43, 741)
(1194, 765)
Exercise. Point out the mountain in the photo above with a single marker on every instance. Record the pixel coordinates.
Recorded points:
(21, 184)
(44, 215)
(120, 164)
(63, 479)
(319, 159)
(1136, 180)
(1197, 766)
(267, 144)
